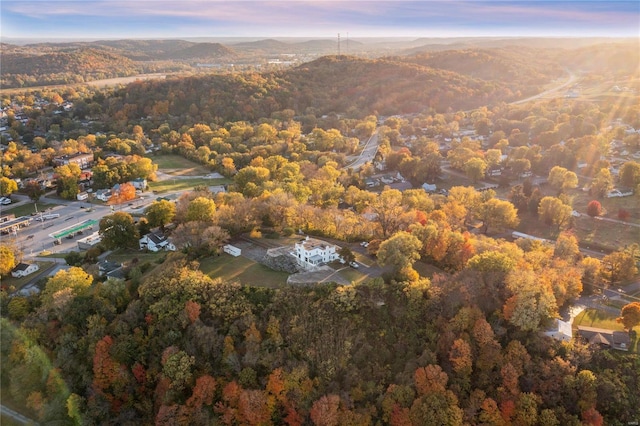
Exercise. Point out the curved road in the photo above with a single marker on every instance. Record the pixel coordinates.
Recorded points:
(572, 79)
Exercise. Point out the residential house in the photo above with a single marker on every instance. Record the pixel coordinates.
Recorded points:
(599, 336)
(561, 331)
(24, 269)
(103, 194)
(109, 269)
(82, 196)
(311, 252)
(139, 183)
(82, 159)
(155, 242)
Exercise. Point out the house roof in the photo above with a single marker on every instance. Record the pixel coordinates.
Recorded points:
(311, 243)
(156, 238)
(22, 266)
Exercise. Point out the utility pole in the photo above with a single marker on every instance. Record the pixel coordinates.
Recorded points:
(338, 44)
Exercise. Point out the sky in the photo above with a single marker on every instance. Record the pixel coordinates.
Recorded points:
(116, 19)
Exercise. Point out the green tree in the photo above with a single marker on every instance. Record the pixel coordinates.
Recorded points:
(532, 302)
(118, 231)
(630, 315)
(400, 251)
(160, 213)
(7, 186)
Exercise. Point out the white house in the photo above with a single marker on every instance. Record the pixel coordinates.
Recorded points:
(103, 194)
(155, 242)
(82, 196)
(311, 252)
(232, 250)
(139, 183)
(24, 269)
(561, 331)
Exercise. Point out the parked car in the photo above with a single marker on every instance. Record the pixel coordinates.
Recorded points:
(354, 265)
(4, 201)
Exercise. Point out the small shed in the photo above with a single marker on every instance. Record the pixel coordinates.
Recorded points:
(232, 250)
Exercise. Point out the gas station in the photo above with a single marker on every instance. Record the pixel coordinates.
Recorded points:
(71, 231)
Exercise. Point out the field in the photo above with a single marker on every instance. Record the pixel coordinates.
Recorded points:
(25, 209)
(243, 270)
(179, 166)
(126, 255)
(183, 184)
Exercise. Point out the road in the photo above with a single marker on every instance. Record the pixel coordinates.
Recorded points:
(6, 411)
(367, 155)
(572, 79)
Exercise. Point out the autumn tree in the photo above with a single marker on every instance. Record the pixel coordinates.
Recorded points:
(75, 279)
(553, 211)
(619, 265)
(7, 186)
(630, 174)
(160, 213)
(531, 303)
(7, 259)
(118, 231)
(630, 315)
(562, 179)
(602, 183)
(594, 208)
(475, 169)
(498, 213)
(400, 251)
(33, 190)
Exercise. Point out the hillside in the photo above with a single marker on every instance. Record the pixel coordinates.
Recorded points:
(512, 66)
(200, 51)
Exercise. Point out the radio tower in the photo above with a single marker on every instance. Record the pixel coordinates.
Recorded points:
(347, 49)
(338, 44)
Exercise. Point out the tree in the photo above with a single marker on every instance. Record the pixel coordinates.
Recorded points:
(7, 259)
(630, 174)
(562, 179)
(619, 265)
(594, 208)
(347, 254)
(7, 186)
(201, 209)
(118, 231)
(532, 302)
(75, 280)
(630, 315)
(160, 213)
(34, 190)
(475, 169)
(400, 251)
(602, 183)
(498, 213)
(553, 211)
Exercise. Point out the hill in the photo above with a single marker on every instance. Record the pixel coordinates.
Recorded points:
(512, 66)
(200, 51)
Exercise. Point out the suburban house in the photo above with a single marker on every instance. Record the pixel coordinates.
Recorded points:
(103, 194)
(619, 340)
(311, 252)
(155, 242)
(139, 183)
(110, 269)
(560, 331)
(24, 269)
(82, 196)
(83, 160)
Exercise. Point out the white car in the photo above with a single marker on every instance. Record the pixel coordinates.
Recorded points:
(5, 201)
(354, 265)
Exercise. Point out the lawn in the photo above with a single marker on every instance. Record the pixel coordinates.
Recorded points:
(26, 209)
(355, 276)
(597, 319)
(126, 255)
(184, 184)
(243, 270)
(179, 166)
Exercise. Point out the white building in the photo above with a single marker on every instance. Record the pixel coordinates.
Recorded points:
(155, 242)
(24, 269)
(311, 252)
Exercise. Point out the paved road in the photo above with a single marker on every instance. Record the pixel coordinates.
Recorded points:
(16, 416)
(368, 153)
(572, 79)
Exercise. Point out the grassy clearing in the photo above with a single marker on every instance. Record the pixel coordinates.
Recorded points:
(243, 270)
(26, 209)
(597, 319)
(180, 166)
(184, 184)
(355, 276)
(426, 270)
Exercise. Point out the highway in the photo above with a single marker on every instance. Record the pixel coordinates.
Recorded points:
(367, 155)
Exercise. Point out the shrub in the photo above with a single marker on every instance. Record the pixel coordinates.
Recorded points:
(623, 214)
